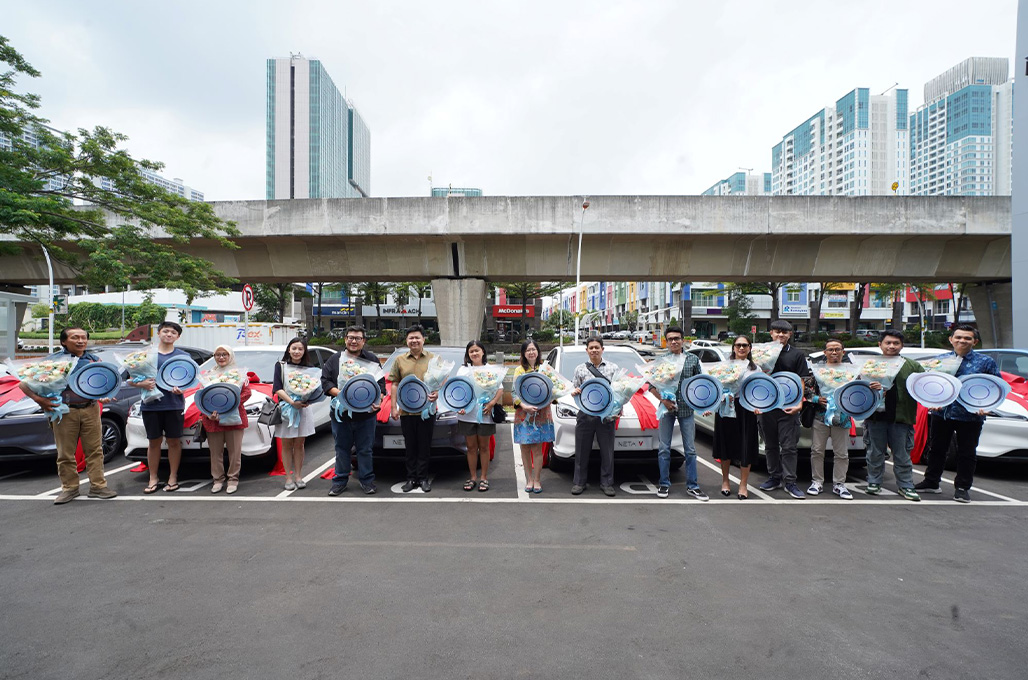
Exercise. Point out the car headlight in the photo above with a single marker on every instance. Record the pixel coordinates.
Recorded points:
(564, 411)
(136, 410)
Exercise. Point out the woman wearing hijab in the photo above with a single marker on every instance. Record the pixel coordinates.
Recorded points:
(221, 437)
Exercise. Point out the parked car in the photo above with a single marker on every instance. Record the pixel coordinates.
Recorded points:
(446, 441)
(26, 434)
(724, 336)
(258, 440)
(1014, 361)
(631, 441)
(868, 334)
(642, 336)
(705, 343)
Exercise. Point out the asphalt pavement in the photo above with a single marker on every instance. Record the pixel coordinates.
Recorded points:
(503, 584)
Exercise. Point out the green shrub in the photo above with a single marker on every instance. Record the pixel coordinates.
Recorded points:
(544, 335)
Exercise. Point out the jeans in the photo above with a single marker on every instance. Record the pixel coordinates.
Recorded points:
(968, 432)
(899, 438)
(687, 425)
(781, 432)
(349, 434)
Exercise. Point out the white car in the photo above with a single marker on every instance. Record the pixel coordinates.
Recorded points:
(706, 343)
(258, 440)
(631, 442)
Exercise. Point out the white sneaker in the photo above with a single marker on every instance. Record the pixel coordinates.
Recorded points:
(300, 484)
(815, 489)
(842, 492)
(290, 486)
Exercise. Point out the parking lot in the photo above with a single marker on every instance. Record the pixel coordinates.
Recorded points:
(269, 583)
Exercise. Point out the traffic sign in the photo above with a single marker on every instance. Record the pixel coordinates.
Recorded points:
(247, 297)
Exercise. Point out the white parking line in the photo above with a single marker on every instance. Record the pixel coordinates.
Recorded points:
(519, 469)
(317, 473)
(973, 488)
(752, 489)
(83, 480)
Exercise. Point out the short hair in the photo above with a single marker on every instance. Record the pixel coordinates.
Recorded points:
(170, 324)
(966, 327)
(467, 352)
(355, 329)
(829, 340)
(414, 329)
(66, 331)
(781, 325)
(674, 329)
(891, 333)
(594, 338)
(538, 358)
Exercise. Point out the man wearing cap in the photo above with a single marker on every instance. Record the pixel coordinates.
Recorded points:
(356, 430)
(781, 427)
(82, 422)
(957, 420)
(893, 428)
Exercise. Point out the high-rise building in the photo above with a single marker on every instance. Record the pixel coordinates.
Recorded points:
(174, 186)
(742, 184)
(318, 146)
(858, 147)
(960, 139)
(32, 136)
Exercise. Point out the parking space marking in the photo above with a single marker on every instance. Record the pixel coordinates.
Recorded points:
(285, 493)
(978, 489)
(519, 468)
(85, 480)
(752, 489)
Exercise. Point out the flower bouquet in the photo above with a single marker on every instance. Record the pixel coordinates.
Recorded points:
(300, 384)
(623, 385)
(435, 376)
(765, 355)
(216, 375)
(487, 381)
(830, 378)
(882, 370)
(664, 373)
(48, 378)
(350, 368)
(561, 386)
(942, 364)
(142, 365)
(730, 372)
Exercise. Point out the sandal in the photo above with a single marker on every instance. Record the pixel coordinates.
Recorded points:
(483, 485)
(537, 489)
(469, 485)
(152, 488)
(171, 487)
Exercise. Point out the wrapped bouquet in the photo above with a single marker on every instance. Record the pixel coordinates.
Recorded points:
(350, 368)
(623, 385)
(487, 381)
(47, 378)
(830, 378)
(231, 375)
(561, 386)
(765, 355)
(664, 373)
(882, 370)
(944, 364)
(437, 373)
(142, 365)
(300, 384)
(730, 373)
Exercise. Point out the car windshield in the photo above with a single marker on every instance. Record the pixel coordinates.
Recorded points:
(454, 354)
(573, 357)
(261, 362)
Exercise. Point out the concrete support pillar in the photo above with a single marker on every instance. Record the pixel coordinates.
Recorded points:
(459, 305)
(993, 306)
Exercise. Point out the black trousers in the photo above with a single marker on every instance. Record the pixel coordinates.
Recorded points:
(968, 432)
(781, 431)
(587, 427)
(417, 441)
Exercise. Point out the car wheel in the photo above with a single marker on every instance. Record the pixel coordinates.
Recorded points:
(112, 438)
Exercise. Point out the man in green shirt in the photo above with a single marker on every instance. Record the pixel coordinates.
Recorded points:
(893, 428)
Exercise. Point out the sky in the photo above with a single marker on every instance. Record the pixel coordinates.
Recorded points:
(528, 98)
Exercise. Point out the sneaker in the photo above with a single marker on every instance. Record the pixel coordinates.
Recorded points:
(663, 491)
(290, 486)
(300, 484)
(794, 491)
(959, 495)
(408, 486)
(607, 491)
(103, 492)
(369, 489)
(771, 484)
(909, 494)
(842, 492)
(577, 490)
(814, 489)
(426, 485)
(873, 489)
(697, 493)
(216, 487)
(231, 488)
(336, 489)
(927, 487)
(66, 496)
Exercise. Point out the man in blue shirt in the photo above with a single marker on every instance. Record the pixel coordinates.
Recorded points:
(955, 419)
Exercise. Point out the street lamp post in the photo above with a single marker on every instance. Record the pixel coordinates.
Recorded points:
(50, 298)
(578, 266)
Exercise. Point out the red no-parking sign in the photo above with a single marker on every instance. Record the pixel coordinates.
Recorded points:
(247, 297)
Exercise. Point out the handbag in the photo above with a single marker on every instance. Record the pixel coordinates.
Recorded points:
(271, 413)
(499, 414)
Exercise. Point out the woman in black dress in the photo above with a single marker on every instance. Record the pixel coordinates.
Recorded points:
(735, 439)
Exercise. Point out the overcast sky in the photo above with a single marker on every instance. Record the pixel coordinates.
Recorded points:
(524, 98)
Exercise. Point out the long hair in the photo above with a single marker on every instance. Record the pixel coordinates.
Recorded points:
(467, 350)
(749, 350)
(305, 360)
(538, 355)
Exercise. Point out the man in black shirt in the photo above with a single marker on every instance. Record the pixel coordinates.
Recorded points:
(356, 430)
(781, 427)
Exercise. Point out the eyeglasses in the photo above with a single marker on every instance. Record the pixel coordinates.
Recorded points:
(354, 337)
(674, 339)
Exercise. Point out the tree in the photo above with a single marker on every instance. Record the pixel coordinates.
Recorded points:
(857, 306)
(772, 288)
(41, 181)
(147, 313)
(738, 311)
(923, 292)
(40, 310)
(529, 290)
(270, 300)
(896, 292)
(375, 293)
(957, 293)
(818, 302)
(630, 319)
(419, 289)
